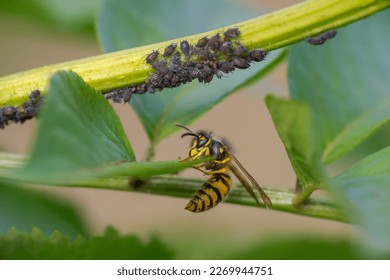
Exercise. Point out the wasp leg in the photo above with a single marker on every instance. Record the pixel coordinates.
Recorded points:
(186, 159)
(201, 170)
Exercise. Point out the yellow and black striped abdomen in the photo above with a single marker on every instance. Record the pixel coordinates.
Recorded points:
(211, 193)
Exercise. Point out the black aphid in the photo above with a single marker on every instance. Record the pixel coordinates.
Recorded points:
(35, 97)
(9, 111)
(169, 50)
(218, 73)
(230, 34)
(175, 58)
(127, 96)
(240, 62)
(316, 40)
(257, 55)
(174, 67)
(208, 78)
(241, 51)
(154, 79)
(226, 47)
(204, 54)
(160, 66)
(185, 48)
(189, 64)
(329, 34)
(150, 58)
(141, 88)
(202, 42)
(214, 42)
(225, 66)
(30, 112)
(194, 73)
(321, 38)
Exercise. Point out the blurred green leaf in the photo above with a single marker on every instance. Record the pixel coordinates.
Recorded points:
(299, 248)
(365, 192)
(64, 14)
(145, 169)
(78, 131)
(121, 24)
(55, 12)
(111, 246)
(25, 208)
(345, 82)
(294, 122)
(344, 85)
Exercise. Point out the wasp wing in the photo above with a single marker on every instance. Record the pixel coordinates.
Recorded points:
(244, 182)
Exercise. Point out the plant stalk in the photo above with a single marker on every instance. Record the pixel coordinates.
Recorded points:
(271, 31)
(185, 188)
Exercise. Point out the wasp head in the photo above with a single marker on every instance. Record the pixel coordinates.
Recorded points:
(201, 145)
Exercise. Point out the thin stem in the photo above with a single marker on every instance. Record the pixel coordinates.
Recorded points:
(184, 187)
(303, 195)
(272, 31)
(150, 151)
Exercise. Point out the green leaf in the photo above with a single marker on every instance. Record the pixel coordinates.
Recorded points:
(299, 248)
(65, 15)
(121, 24)
(111, 246)
(55, 13)
(145, 169)
(365, 192)
(294, 122)
(78, 131)
(359, 129)
(345, 82)
(25, 208)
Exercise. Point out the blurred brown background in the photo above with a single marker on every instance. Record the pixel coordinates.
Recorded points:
(25, 44)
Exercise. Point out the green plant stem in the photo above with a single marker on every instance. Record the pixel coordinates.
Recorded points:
(272, 31)
(302, 196)
(185, 188)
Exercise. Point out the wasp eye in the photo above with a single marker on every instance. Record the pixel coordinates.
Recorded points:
(201, 142)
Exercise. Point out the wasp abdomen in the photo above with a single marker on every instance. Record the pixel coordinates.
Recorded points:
(211, 193)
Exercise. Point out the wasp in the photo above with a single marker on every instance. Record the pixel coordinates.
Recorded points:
(222, 162)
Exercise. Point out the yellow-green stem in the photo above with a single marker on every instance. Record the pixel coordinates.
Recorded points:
(269, 32)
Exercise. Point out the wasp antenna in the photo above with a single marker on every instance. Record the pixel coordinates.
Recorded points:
(189, 133)
(184, 127)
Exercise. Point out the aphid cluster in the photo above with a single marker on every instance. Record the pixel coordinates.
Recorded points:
(321, 38)
(183, 62)
(28, 110)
